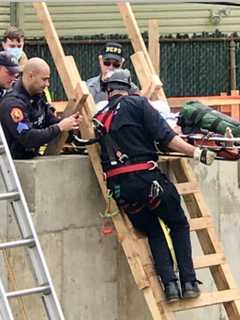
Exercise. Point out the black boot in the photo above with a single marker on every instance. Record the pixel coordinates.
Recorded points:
(190, 289)
(172, 292)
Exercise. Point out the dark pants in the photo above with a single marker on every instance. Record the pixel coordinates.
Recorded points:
(131, 191)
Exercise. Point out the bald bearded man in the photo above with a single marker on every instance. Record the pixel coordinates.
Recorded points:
(26, 117)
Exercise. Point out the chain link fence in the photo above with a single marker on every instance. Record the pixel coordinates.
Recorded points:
(197, 66)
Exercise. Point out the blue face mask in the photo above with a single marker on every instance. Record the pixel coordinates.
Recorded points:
(16, 52)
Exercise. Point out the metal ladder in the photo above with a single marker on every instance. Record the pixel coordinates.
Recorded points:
(30, 241)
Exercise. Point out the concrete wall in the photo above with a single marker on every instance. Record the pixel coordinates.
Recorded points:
(90, 272)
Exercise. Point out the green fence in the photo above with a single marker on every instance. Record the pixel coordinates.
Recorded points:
(189, 66)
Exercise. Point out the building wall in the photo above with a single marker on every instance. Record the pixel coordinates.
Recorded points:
(91, 18)
(4, 16)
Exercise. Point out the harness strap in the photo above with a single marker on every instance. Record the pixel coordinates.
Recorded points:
(150, 165)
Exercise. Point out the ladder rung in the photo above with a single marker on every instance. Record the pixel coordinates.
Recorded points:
(206, 299)
(209, 260)
(45, 289)
(18, 243)
(2, 149)
(200, 223)
(13, 195)
(187, 187)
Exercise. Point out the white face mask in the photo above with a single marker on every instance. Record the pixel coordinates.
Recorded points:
(16, 52)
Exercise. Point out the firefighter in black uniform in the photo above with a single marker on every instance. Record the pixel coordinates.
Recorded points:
(27, 119)
(128, 128)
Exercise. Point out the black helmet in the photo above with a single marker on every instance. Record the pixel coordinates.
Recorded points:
(119, 79)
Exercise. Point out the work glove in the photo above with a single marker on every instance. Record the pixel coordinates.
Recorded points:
(204, 155)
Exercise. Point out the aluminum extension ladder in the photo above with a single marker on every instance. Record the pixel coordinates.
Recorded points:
(30, 241)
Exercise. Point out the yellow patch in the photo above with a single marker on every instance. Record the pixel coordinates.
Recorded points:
(113, 50)
(16, 114)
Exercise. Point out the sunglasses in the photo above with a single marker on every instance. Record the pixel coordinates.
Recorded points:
(115, 64)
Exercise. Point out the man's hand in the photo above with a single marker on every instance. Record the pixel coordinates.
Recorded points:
(204, 155)
(70, 123)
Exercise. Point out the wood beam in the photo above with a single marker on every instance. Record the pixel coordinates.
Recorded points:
(153, 44)
(134, 32)
(55, 47)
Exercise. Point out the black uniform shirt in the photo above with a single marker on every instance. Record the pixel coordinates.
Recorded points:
(27, 121)
(135, 128)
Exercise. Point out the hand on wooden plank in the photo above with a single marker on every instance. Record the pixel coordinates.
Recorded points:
(70, 123)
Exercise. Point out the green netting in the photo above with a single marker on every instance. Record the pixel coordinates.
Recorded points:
(189, 67)
(195, 68)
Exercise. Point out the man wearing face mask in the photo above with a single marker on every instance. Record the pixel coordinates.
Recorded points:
(13, 42)
(110, 58)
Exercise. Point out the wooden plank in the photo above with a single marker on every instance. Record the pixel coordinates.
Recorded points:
(75, 104)
(143, 72)
(235, 109)
(59, 105)
(210, 101)
(139, 45)
(208, 239)
(174, 102)
(153, 44)
(187, 187)
(209, 260)
(201, 223)
(55, 47)
(208, 299)
(134, 32)
(151, 84)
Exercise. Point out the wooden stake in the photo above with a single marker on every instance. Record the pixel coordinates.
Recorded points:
(153, 44)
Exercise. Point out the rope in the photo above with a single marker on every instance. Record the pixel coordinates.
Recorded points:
(108, 213)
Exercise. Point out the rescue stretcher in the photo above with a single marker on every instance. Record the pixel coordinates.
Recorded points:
(225, 148)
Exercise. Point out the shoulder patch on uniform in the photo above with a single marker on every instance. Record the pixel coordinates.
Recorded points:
(16, 114)
(21, 127)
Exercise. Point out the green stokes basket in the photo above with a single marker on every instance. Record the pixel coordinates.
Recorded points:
(195, 116)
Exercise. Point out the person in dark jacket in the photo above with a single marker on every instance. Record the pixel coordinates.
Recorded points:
(27, 119)
(128, 129)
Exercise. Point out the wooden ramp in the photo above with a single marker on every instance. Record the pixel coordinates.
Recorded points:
(135, 246)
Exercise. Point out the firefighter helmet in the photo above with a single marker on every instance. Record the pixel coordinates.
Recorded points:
(119, 79)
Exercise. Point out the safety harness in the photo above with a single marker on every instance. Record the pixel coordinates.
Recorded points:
(119, 161)
(120, 164)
